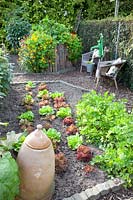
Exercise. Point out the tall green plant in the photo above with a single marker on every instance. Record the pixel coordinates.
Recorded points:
(16, 29)
(5, 76)
(38, 51)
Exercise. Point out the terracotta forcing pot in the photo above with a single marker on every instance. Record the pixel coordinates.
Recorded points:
(36, 161)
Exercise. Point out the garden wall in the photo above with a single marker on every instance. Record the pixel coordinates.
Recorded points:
(117, 35)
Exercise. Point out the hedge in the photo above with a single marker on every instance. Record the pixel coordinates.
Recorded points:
(89, 32)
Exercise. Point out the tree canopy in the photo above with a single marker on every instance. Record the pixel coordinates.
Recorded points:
(67, 12)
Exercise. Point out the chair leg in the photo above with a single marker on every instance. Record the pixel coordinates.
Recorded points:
(97, 81)
(116, 84)
(81, 68)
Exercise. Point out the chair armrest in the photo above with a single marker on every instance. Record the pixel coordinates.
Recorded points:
(87, 56)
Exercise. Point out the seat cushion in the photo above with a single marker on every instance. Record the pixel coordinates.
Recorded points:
(112, 71)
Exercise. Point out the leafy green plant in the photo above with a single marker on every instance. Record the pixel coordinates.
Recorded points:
(30, 85)
(28, 99)
(9, 177)
(16, 30)
(38, 51)
(74, 141)
(17, 145)
(53, 134)
(41, 93)
(56, 94)
(62, 35)
(64, 112)
(97, 114)
(5, 76)
(46, 110)
(117, 161)
(12, 141)
(29, 115)
(104, 122)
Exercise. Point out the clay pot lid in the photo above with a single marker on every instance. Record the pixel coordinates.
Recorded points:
(37, 139)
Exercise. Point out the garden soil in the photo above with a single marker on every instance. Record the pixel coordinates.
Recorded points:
(74, 179)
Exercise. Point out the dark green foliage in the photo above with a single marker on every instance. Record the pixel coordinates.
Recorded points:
(61, 35)
(5, 76)
(9, 178)
(89, 32)
(104, 122)
(16, 30)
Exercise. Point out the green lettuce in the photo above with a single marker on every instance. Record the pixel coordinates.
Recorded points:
(9, 178)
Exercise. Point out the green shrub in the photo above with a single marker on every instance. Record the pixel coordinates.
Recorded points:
(5, 76)
(16, 29)
(104, 122)
(38, 51)
(62, 35)
(89, 31)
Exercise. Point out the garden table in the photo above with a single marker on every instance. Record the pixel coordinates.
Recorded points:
(103, 68)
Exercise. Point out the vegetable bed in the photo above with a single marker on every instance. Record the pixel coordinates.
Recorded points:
(73, 176)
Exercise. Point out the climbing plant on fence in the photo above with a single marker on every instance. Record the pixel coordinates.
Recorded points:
(89, 32)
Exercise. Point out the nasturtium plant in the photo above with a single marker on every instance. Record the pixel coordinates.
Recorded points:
(9, 177)
(38, 51)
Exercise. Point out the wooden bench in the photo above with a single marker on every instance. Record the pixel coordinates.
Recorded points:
(104, 67)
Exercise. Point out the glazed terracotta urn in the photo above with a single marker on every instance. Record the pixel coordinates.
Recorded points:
(36, 161)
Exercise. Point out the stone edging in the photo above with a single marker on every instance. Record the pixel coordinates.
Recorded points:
(57, 81)
(98, 190)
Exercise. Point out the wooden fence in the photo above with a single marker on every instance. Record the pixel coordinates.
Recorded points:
(62, 63)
